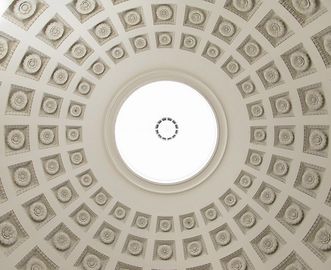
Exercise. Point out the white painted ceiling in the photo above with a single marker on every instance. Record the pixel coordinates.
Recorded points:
(67, 199)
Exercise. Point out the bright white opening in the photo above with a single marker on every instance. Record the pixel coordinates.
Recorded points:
(146, 137)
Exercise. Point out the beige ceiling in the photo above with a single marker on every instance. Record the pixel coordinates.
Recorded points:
(67, 199)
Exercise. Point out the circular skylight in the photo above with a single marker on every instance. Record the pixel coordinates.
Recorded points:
(166, 132)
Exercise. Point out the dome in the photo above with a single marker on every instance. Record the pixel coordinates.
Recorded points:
(162, 135)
